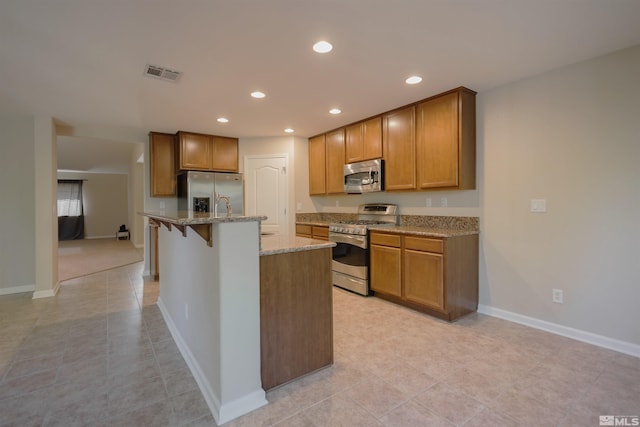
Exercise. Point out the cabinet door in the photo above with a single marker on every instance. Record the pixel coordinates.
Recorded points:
(225, 154)
(320, 232)
(386, 270)
(303, 230)
(354, 148)
(317, 166)
(335, 161)
(194, 151)
(162, 149)
(438, 142)
(372, 138)
(423, 278)
(399, 144)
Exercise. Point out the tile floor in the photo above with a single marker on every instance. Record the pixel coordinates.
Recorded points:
(100, 354)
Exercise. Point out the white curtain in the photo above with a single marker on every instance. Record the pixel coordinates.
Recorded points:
(70, 212)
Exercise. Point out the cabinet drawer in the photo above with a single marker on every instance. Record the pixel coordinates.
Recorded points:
(303, 229)
(385, 239)
(423, 244)
(319, 231)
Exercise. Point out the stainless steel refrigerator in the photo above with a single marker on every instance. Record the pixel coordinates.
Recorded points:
(198, 192)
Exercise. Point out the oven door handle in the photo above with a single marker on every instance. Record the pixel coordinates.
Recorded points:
(349, 239)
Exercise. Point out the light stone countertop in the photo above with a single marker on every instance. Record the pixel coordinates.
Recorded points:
(190, 218)
(279, 244)
(424, 231)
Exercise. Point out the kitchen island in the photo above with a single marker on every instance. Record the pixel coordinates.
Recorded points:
(212, 296)
(296, 308)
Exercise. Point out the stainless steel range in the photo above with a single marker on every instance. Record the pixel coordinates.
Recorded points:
(351, 254)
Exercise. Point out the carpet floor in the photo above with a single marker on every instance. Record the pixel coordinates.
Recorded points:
(78, 258)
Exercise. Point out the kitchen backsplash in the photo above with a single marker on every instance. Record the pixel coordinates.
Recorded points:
(439, 222)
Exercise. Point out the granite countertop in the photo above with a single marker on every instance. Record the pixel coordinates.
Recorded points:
(321, 223)
(189, 218)
(279, 244)
(420, 225)
(424, 231)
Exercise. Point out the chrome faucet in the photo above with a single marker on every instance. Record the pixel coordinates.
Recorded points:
(226, 201)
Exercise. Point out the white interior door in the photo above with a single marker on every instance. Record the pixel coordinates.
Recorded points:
(267, 191)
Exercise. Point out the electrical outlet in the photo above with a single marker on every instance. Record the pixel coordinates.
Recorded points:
(299, 206)
(443, 202)
(161, 205)
(428, 202)
(538, 205)
(558, 296)
(337, 203)
(186, 311)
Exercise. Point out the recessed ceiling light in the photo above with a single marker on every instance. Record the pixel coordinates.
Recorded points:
(222, 120)
(413, 80)
(335, 111)
(258, 94)
(322, 47)
(289, 130)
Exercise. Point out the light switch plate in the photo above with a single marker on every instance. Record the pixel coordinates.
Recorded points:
(538, 205)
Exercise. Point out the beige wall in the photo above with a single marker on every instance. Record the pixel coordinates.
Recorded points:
(17, 215)
(106, 202)
(572, 137)
(136, 196)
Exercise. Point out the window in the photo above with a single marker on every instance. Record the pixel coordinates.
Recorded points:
(70, 198)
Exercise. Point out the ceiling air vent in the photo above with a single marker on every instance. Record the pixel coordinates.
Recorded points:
(161, 73)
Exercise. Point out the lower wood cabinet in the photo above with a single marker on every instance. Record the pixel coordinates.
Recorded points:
(435, 275)
(385, 264)
(319, 232)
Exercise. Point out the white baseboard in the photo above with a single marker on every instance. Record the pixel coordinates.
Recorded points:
(47, 293)
(17, 289)
(565, 331)
(111, 236)
(221, 413)
(138, 246)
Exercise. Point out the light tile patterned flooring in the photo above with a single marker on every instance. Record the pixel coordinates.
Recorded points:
(99, 354)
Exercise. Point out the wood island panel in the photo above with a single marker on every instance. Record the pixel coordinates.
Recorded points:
(296, 315)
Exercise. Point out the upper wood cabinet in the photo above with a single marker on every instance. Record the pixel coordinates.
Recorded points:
(162, 164)
(363, 141)
(335, 161)
(326, 163)
(317, 166)
(445, 139)
(194, 151)
(399, 149)
(427, 145)
(207, 152)
(224, 154)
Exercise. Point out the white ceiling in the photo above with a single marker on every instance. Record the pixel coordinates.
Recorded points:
(82, 61)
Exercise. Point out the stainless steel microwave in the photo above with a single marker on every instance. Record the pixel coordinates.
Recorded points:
(364, 177)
